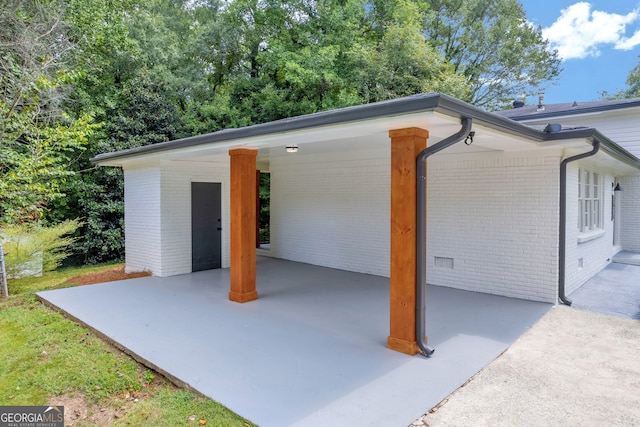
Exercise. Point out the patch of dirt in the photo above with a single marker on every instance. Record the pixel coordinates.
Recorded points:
(77, 410)
(116, 273)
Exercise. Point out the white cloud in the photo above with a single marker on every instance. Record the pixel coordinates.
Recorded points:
(580, 32)
(629, 43)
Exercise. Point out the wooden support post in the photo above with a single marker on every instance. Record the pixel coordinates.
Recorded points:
(243, 225)
(406, 144)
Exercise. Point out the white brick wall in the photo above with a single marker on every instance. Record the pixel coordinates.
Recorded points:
(497, 219)
(142, 219)
(176, 212)
(159, 198)
(332, 210)
(630, 218)
(495, 215)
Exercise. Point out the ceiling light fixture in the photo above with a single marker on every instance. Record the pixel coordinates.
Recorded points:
(469, 139)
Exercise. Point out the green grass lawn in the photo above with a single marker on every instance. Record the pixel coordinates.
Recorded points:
(48, 359)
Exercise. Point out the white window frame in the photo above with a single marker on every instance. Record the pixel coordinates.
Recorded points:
(590, 200)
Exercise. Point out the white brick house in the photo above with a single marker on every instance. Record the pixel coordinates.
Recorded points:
(493, 201)
(588, 251)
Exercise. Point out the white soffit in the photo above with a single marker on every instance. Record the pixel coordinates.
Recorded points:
(327, 136)
(601, 160)
(361, 135)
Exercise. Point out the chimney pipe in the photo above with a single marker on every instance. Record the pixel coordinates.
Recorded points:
(541, 101)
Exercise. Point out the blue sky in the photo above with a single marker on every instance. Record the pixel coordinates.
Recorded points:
(598, 40)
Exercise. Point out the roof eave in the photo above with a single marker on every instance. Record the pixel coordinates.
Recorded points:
(412, 104)
(536, 115)
(606, 144)
(416, 103)
(455, 107)
(435, 102)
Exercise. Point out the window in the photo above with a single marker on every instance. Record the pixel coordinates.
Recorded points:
(589, 201)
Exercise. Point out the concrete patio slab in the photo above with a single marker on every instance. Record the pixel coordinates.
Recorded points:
(615, 291)
(310, 351)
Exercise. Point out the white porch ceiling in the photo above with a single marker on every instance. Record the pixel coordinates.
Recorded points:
(362, 135)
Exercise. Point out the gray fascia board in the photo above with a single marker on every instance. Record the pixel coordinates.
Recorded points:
(507, 124)
(606, 144)
(616, 151)
(457, 108)
(578, 111)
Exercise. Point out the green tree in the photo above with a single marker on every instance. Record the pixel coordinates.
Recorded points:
(401, 62)
(133, 87)
(490, 42)
(300, 61)
(142, 116)
(633, 82)
(271, 59)
(633, 86)
(38, 139)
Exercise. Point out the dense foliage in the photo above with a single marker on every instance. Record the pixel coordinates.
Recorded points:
(84, 77)
(39, 138)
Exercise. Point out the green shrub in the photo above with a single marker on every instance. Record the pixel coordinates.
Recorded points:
(27, 244)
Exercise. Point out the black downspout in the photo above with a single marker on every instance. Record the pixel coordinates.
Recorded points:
(563, 219)
(421, 231)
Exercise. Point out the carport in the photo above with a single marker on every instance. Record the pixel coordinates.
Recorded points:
(344, 197)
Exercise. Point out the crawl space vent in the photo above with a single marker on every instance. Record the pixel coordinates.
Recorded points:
(442, 262)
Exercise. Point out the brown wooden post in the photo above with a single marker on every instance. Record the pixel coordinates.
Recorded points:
(243, 225)
(406, 144)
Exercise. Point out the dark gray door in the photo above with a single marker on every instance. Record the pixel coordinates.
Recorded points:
(206, 226)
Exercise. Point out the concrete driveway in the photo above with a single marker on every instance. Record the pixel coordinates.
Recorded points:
(575, 367)
(311, 351)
